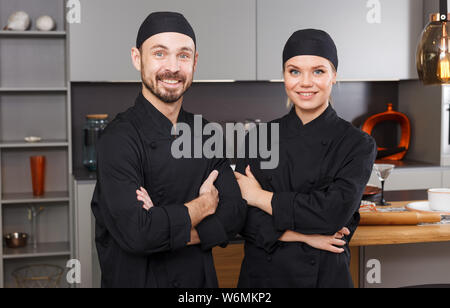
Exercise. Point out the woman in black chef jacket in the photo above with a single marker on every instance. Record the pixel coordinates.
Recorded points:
(302, 214)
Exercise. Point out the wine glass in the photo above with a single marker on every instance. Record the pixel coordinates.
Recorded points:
(383, 171)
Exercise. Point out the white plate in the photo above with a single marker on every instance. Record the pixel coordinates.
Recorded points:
(423, 206)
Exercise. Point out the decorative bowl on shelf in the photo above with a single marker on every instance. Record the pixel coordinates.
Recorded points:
(45, 23)
(16, 240)
(31, 139)
(18, 21)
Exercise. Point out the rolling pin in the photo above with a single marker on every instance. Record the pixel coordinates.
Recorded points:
(398, 218)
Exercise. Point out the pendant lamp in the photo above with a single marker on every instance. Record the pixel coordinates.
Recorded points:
(433, 54)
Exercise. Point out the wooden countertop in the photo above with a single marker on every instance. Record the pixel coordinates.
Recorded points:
(387, 235)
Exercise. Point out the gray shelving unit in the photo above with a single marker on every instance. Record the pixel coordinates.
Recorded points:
(35, 101)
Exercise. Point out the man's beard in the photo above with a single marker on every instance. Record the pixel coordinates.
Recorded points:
(166, 96)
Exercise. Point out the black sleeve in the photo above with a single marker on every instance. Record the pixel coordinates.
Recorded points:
(327, 210)
(227, 222)
(120, 174)
(259, 226)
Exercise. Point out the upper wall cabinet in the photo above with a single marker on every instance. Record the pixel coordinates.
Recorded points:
(376, 39)
(100, 45)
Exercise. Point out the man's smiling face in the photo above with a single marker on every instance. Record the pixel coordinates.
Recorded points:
(168, 62)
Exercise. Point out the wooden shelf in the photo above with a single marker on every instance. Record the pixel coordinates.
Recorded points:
(42, 250)
(32, 89)
(40, 144)
(25, 198)
(33, 34)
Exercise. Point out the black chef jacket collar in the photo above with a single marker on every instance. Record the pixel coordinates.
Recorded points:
(153, 121)
(319, 127)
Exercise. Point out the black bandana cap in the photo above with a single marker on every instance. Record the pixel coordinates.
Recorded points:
(160, 22)
(311, 42)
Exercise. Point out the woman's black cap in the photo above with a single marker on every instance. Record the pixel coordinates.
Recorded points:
(311, 42)
(160, 22)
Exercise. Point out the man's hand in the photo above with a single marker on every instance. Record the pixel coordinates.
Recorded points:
(206, 204)
(210, 193)
(208, 184)
(142, 195)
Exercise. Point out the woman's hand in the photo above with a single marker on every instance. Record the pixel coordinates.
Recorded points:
(322, 242)
(252, 192)
(142, 195)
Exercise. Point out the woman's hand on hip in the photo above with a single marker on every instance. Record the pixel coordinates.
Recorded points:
(323, 242)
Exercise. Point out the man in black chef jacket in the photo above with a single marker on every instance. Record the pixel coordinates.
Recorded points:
(193, 208)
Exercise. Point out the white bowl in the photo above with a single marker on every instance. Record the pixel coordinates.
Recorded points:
(439, 199)
(33, 139)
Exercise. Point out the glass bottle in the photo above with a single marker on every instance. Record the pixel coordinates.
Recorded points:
(94, 126)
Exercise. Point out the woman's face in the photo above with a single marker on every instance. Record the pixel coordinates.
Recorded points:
(308, 81)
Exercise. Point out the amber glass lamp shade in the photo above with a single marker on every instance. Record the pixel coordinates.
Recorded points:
(433, 53)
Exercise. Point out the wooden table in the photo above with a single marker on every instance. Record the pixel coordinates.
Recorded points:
(228, 261)
(386, 235)
(390, 235)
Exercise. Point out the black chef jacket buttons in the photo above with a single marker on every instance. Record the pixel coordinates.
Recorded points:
(161, 193)
(312, 262)
(153, 145)
(176, 284)
(269, 258)
(324, 142)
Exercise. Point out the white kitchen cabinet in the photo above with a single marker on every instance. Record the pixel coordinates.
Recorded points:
(394, 266)
(84, 225)
(376, 39)
(411, 179)
(100, 45)
(446, 177)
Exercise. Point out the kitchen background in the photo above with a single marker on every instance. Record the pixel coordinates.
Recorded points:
(49, 81)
